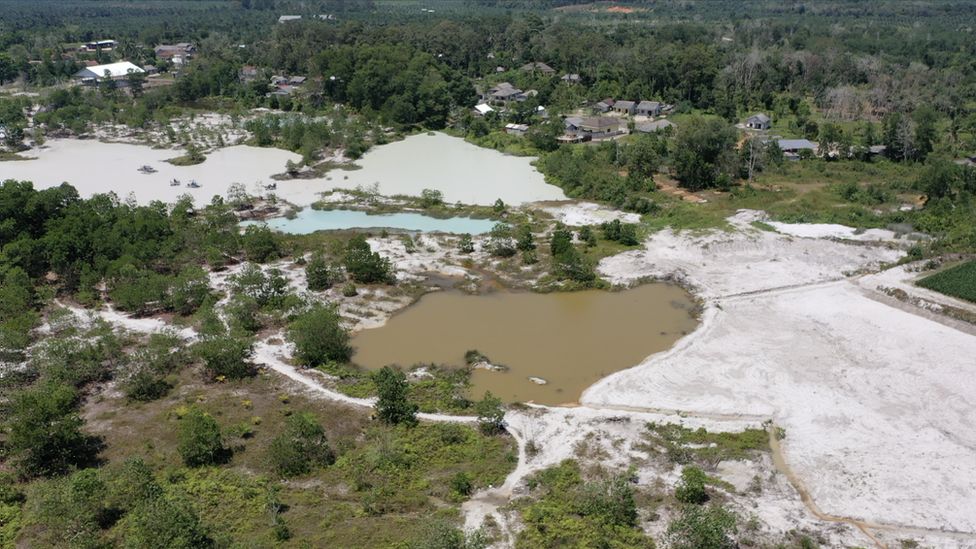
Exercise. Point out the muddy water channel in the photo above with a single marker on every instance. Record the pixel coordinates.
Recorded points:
(569, 340)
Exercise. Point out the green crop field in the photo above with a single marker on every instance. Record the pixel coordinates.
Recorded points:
(959, 281)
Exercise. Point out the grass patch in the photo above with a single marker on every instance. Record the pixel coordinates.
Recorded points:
(958, 281)
(438, 389)
(683, 445)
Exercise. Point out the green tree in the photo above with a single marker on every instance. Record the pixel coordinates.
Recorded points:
(300, 447)
(702, 154)
(561, 241)
(491, 414)
(702, 527)
(524, 241)
(319, 337)
(500, 241)
(430, 198)
(268, 289)
(226, 356)
(260, 243)
(45, 436)
(364, 265)
(393, 406)
(188, 290)
(200, 442)
(136, 82)
(320, 274)
(465, 244)
(691, 488)
(169, 522)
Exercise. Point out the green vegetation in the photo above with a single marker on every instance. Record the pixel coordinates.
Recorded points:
(319, 337)
(958, 281)
(683, 445)
(393, 406)
(567, 510)
(200, 440)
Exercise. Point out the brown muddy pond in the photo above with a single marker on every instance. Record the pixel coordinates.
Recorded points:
(570, 340)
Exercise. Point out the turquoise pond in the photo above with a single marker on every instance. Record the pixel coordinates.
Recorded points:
(309, 220)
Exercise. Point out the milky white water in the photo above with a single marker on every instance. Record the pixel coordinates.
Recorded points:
(463, 172)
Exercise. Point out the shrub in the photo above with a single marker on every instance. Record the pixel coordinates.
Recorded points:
(200, 442)
(698, 527)
(491, 414)
(267, 289)
(461, 484)
(364, 265)
(166, 522)
(45, 435)
(465, 244)
(319, 337)
(260, 243)
(393, 407)
(300, 447)
(320, 274)
(691, 489)
(226, 356)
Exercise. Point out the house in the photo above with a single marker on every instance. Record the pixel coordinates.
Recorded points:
(150, 69)
(287, 18)
(248, 73)
(297, 80)
(115, 71)
(792, 147)
(592, 127)
(482, 109)
(505, 92)
(625, 107)
(516, 129)
(104, 45)
(538, 66)
(184, 50)
(654, 126)
(648, 108)
(758, 122)
(499, 68)
(604, 106)
(571, 78)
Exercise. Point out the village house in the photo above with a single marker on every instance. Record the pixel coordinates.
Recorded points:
(758, 122)
(571, 78)
(604, 106)
(115, 71)
(103, 45)
(592, 127)
(482, 109)
(287, 18)
(505, 92)
(516, 129)
(248, 73)
(793, 147)
(625, 107)
(538, 66)
(178, 54)
(648, 108)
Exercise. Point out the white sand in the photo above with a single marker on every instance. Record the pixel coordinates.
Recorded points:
(878, 403)
(828, 230)
(588, 213)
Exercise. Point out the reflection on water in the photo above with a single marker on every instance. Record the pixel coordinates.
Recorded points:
(570, 340)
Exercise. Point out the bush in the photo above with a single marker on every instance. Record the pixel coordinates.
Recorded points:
(267, 289)
(393, 406)
(319, 337)
(466, 244)
(364, 265)
(320, 274)
(165, 522)
(226, 356)
(200, 442)
(699, 527)
(491, 414)
(260, 244)
(302, 446)
(45, 435)
(500, 241)
(461, 484)
(188, 291)
(691, 489)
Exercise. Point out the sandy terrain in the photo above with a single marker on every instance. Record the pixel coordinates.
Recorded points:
(587, 213)
(877, 402)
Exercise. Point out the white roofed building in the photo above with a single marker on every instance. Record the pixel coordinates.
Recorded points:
(115, 71)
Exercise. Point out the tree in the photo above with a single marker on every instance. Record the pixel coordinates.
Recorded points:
(364, 265)
(691, 489)
(500, 241)
(524, 241)
(393, 406)
(188, 291)
(561, 241)
(465, 244)
(321, 275)
(491, 414)
(319, 337)
(300, 447)
(226, 356)
(702, 153)
(260, 243)
(167, 522)
(699, 527)
(267, 289)
(45, 431)
(136, 81)
(200, 442)
(430, 198)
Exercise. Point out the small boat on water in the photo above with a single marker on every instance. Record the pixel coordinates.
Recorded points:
(271, 186)
(147, 169)
(175, 183)
(193, 184)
